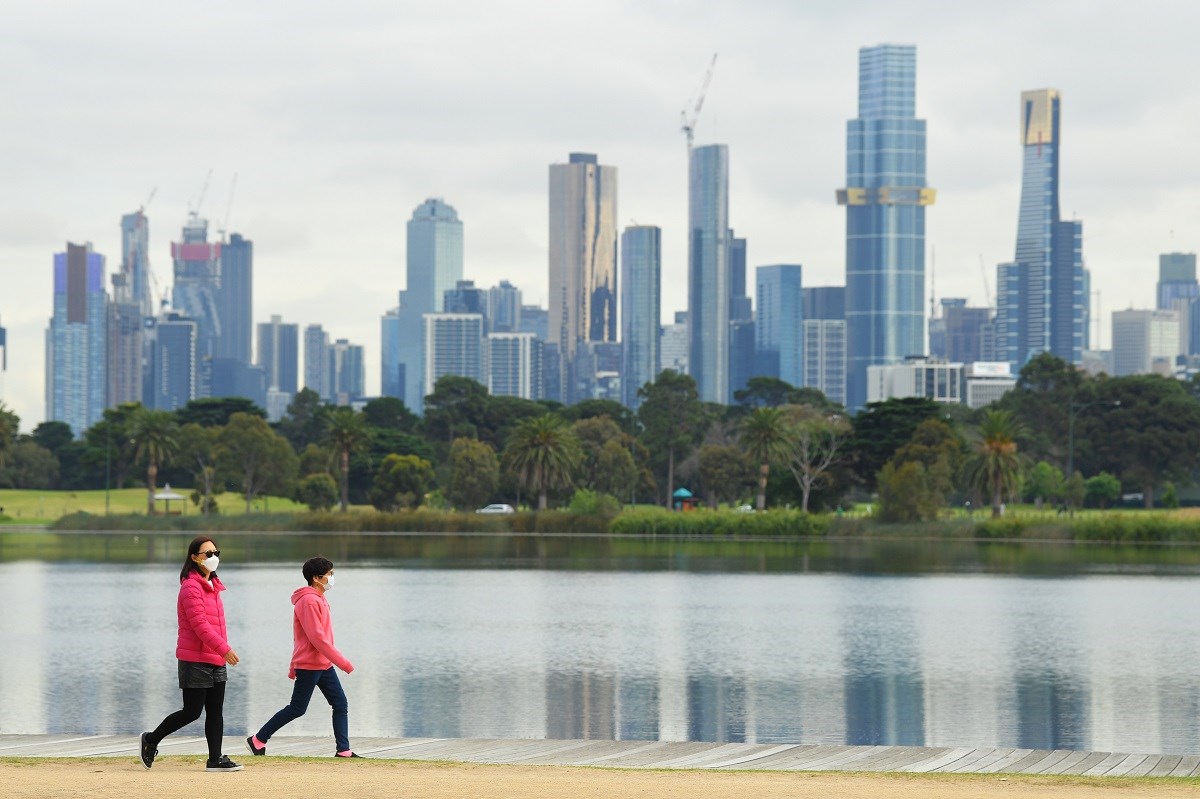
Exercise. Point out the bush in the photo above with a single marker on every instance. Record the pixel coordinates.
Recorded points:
(718, 523)
(593, 503)
(318, 491)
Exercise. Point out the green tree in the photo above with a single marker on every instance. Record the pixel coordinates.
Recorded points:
(1170, 497)
(817, 443)
(262, 460)
(882, 428)
(346, 432)
(617, 473)
(401, 482)
(315, 459)
(1041, 402)
(154, 438)
(624, 418)
(725, 473)
(390, 413)
(763, 436)
(215, 411)
(996, 466)
(1044, 482)
(544, 454)
(673, 420)
(199, 452)
(455, 408)
(765, 392)
(586, 502)
(1074, 490)
(938, 449)
(53, 435)
(108, 446)
(318, 491)
(10, 425)
(29, 465)
(1101, 490)
(304, 421)
(474, 474)
(905, 492)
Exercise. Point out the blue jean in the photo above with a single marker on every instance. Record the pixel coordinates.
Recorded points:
(331, 687)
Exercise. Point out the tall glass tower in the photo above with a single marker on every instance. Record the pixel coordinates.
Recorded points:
(885, 198)
(1042, 302)
(709, 282)
(76, 341)
(641, 289)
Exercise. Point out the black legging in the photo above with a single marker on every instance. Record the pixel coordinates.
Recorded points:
(209, 700)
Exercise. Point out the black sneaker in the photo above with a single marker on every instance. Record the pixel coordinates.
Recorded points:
(254, 750)
(148, 752)
(224, 764)
(347, 757)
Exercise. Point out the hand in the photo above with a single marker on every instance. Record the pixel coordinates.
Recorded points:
(231, 658)
(349, 667)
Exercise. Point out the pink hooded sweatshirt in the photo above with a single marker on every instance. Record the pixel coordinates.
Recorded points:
(202, 637)
(312, 631)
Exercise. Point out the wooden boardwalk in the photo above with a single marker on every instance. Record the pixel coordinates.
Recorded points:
(649, 754)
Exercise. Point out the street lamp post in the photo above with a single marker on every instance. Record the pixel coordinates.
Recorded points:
(1073, 410)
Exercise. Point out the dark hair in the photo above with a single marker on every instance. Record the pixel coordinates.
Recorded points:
(190, 565)
(315, 567)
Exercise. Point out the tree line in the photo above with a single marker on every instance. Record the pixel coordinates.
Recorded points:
(777, 445)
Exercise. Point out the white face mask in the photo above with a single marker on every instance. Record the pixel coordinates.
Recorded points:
(211, 563)
(329, 582)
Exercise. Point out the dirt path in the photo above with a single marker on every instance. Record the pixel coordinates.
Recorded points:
(280, 777)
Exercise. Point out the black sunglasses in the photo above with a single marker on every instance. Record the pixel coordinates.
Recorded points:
(210, 553)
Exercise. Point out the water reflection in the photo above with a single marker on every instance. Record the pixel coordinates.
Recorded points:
(1107, 662)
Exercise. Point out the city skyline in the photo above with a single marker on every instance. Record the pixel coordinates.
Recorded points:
(318, 197)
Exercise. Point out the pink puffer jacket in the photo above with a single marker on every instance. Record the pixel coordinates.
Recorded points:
(201, 621)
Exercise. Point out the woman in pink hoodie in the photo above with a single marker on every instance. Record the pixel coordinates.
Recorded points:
(313, 659)
(203, 652)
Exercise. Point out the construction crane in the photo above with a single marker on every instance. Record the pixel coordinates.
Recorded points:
(689, 122)
(195, 208)
(228, 209)
(146, 204)
(987, 292)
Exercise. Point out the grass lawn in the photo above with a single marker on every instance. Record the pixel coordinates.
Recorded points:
(43, 507)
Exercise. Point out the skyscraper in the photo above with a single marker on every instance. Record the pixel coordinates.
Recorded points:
(173, 363)
(454, 346)
(235, 300)
(1178, 291)
(279, 354)
(779, 328)
(885, 198)
(127, 313)
(709, 281)
(514, 365)
(135, 262)
(347, 371)
(1043, 295)
(504, 308)
(582, 260)
(77, 340)
(197, 286)
(641, 290)
(316, 362)
(825, 341)
(1144, 342)
(465, 298)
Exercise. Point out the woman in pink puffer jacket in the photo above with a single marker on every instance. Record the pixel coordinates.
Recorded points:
(203, 652)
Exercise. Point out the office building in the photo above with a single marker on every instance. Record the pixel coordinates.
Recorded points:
(392, 369)
(535, 320)
(825, 357)
(466, 298)
(779, 325)
(316, 362)
(504, 308)
(1042, 298)
(741, 308)
(1179, 291)
(582, 259)
(454, 346)
(1144, 342)
(641, 297)
(279, 354)
(597, 371)
(347, 371)
(514, 365)
(885, 198)
(962, 334)
(173, 369)
(196, 289)
(709, 281)
(126, 314)
(235, 300)
(743, 354)
(987, 382)
(77, 340)
(917, 377)
(674, 345)
(825, 302)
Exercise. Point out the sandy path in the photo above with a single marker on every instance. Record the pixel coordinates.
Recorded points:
(185, 777)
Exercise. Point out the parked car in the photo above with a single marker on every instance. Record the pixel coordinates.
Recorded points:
(498, 507)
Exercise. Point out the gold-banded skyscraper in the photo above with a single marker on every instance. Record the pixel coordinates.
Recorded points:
(583, 262)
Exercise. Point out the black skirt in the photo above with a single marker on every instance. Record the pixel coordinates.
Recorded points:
(200, 675)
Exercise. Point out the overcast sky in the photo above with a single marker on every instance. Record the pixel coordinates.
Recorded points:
(340, 118)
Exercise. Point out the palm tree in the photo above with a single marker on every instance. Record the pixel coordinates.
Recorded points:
(763, 435)
(996, 466)
(153, 435)
(346, 431)
(544, 453)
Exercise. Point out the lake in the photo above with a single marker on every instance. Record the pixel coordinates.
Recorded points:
(930, 643)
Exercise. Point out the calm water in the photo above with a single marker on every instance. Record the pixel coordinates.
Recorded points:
(1103, 657)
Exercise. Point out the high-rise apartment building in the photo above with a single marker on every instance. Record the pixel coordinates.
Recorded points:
(582, 260)
(196, 290)
(279, 354)
(317, 375)
(885, 198)
(77, 340)
(780, 324)
(454, 346)
(504, 308)
(514, 365)
(825, 357)
(674, 345)
(235, 300)
(709, 282)
(434, 265)
(466, 298)
(536, 320)
(127, 311)
(173, 368)
(1144, 342)
(1042, 297)
(135, 263)
(641, 292)
(347, 370)
(1179, 291)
